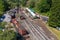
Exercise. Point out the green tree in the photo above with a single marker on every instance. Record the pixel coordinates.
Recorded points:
(44, 5)
(54, 19)
(2, 24)
(12, 3)
(1, 7)
(8, 35)
(23, 2)
(31, 3)
(6, 5)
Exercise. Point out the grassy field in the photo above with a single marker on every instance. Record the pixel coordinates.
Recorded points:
(55, 31)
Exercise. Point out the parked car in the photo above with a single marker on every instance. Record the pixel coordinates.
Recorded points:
(58, 28)
(2, 18)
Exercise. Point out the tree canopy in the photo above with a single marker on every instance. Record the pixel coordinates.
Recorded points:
(1, 7)
(54, 19)
(8, 35)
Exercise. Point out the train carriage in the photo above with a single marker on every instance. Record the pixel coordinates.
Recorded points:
(32, 14)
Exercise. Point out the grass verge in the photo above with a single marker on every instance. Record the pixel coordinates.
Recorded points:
(55, 31)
